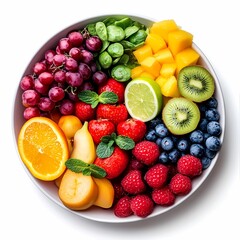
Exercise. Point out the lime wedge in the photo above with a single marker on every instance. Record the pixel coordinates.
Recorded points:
(143, 99)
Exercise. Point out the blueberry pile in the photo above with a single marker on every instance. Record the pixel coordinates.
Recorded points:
(204, 142)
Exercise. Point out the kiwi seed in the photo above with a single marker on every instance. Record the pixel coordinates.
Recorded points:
(196, 83)
(180, 115)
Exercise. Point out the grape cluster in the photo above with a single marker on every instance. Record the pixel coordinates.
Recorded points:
(56, 80)
(204, 142)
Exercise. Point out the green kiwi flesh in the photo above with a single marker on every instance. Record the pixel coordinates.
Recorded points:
(196, 83)
(180, 115)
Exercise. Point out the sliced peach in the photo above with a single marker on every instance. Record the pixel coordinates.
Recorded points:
(105, 193)
(77, 191)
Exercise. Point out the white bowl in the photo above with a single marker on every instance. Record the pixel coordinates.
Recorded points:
(49, 188)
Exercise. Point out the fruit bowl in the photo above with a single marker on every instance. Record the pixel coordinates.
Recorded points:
(50, 189)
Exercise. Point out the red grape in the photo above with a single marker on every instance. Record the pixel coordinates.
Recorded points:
(46, 78)
(75, 53)
(49, 54)
(75, 38)
(71, 64)
(99, 77)
(59, 59)
(60, 76)
(41, 88)
(94, 43)
(27, 82)
(30, 98)
(86, 56)
(74, 79)
(39, 67)
(45, 104)
(64, 45)
(85, 71)
(56, 94)
(66, 107)
(31, 112)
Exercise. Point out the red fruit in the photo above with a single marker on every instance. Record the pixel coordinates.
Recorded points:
(133, 128)
(122, 207)
(146, 152)
(84, 111)
(118, 190)
(142, 205)
(115, 164)
(114, 113)
(189, 165)
(135, 164)
(99, 128)
(180, 184)
(163, 196)
(113, 85)
(156, 176)
(133, 183)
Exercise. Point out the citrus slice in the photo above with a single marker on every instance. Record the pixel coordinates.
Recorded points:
(43, 148)
(143, 99)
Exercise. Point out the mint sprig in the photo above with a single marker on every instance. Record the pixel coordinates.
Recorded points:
(106, 147)
(87, 169)
(91, 97)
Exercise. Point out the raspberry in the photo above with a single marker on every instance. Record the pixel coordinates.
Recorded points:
(156, 176)
(142, 205)
(163, 196)
(146, 152)
(189, 165)
(122, 207)
(132, 182)
(180, 184)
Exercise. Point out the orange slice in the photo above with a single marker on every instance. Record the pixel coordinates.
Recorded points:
(43, 148)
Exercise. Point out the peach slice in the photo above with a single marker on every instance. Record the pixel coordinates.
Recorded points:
(77, 191)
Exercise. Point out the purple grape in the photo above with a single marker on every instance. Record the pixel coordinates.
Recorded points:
(71, 64)
(74, 79)
(30, 98)
(41, 88)
(56, 94)
(87, 86)
(93, 66)
(27, 82)
(60, 76)
(45, 104)
(59, 59)
(93, 43)
(86, 56)
(75, 38)
(99, 77)
(31, 112)
(85, 71)
(75, 53)
(46, 78)
(66, 107)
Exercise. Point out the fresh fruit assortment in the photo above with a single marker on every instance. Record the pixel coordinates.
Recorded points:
(120, 115)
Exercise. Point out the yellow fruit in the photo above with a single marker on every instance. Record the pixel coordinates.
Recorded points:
(168, 69)
(135, 72)
(77, 191)
(164, 56)
(142, 53)
(156, 42)
(161, 80)
(179, 40)
(147, 75)
(105, 193)
(151, 65)
(170, 88)
(43, 148)
(83, 145)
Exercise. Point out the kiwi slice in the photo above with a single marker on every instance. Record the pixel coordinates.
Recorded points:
(180, 115)
(196, 83)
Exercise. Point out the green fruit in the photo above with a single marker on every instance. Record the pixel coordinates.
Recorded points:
(180, 115)
(196, 83)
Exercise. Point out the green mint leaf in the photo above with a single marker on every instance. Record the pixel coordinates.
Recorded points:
(106, 139)
(76, 165)
(124, 142)
(108, 97)
(89, 97)
(103, 150)
(97, 171)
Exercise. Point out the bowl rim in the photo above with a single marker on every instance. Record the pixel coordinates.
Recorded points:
(113, 219)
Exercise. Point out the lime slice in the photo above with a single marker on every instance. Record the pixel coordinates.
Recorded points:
(143, 99)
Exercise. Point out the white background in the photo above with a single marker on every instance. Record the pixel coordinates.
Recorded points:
(211, 212)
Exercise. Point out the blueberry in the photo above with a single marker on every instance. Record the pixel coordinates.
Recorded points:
(203, 124)
(210, 154)
(202, 107)
(213, 143)
(161, 130)
(163, 158)
(212, 102)
(174, 155)
(214, 128)
(158, 142)
(212, 114)
(167, 144)
(154, 122)
(206, 135)
(205, 162)
(196, 136)
(151, 135)
(183, 145)
(197, 150)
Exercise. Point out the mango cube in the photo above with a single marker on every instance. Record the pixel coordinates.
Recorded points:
(151, 65)
(156, 42)
(168, 69)
(186, 58)
(136, 72)
(170, 88)
(164, 27)
(142, 53)
(147, 75)
(160, 80)
(164, 56)
(179, 40)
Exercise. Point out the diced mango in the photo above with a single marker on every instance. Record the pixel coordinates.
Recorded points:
(168, 69)
(164, 56)
(136, 72)
(186, 58)
(164, 27)
(179, 40)
(160, 80)
(147, 75)
(170, 88)
(156, 42)
(142, 53)
(151, 65)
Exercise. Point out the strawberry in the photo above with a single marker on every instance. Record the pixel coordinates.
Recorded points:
(146, 151)
(163, 196)
(133, 183)
(133, 128)
(189, 165)
(84, 111)
(114, 113)
(99, 128)
(142, 205)
(180, 184)
(156, 176)
(122, 207)
(115, 164)
(113, 85)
